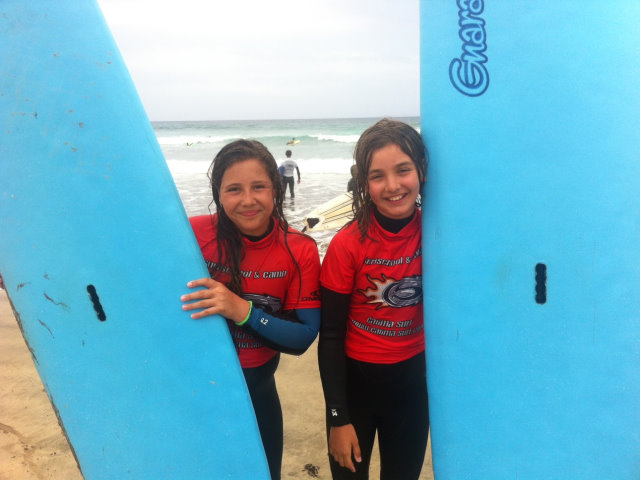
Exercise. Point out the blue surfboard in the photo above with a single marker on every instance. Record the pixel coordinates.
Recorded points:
(530, 111)
(96, 250)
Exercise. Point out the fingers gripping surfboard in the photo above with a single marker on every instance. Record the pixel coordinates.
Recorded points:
(532, 221)
(96, 250)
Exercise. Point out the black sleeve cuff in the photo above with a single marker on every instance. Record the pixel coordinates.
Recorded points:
(337, 417)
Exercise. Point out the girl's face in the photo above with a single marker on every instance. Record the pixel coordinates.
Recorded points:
(246, 195)
(393, 182)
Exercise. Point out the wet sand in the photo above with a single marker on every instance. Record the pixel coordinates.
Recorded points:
(32, 445)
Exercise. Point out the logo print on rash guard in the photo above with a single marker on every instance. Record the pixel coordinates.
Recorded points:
(267, 303)
(388, 292)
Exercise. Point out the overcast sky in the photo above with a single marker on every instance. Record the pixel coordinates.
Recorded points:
(256, 59)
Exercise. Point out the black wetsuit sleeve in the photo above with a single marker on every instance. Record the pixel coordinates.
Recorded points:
(331, 355)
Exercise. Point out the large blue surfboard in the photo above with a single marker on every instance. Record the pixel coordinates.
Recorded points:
(531, 114)
(95, 251)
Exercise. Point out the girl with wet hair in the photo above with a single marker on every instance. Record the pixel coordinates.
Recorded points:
(383, 133)
(372, 347)
(263, 277)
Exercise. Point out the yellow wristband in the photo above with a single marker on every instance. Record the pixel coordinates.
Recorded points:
(248, 315)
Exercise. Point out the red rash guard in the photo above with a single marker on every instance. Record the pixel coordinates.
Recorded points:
(270, 280)
(383, 275)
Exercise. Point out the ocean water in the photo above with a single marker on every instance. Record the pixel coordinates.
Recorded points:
(324, 155)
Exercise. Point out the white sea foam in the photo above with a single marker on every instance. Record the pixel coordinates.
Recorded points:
(325, 165)
(307, 165)
(337, 138)
(188, 140)
(194, 167)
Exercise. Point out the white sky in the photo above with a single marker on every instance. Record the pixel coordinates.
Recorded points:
(253, 59)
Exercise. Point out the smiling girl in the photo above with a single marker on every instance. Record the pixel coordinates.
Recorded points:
(264, 277)
(372, 346)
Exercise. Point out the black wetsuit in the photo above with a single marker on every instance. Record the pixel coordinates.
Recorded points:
(261, 383)
(390, 399)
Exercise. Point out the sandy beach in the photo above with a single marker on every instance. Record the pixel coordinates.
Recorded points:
(33, 447)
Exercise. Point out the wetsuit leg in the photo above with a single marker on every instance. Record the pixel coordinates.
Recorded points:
(365, 430)
(403, 426)
(362, 416)
(289, 181)
(392, 400)
(266, 403)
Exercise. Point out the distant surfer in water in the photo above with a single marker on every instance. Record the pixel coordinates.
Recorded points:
(293, 141)
(287, 176)
(371, 350)
(264, 277)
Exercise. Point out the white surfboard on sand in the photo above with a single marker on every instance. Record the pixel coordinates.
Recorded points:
(330, 215)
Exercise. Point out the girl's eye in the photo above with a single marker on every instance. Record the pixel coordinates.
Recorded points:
(406, 168)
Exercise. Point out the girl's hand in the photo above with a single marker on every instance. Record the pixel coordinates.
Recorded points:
(343, 442)
(215, 299)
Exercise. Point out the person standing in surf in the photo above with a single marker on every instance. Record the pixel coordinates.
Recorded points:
(287, 175)
(371, 351)
(351, 184)
(264, 277)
